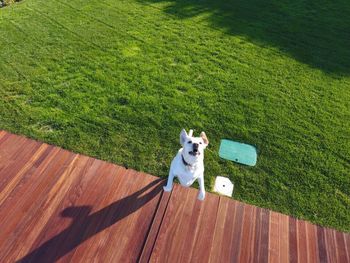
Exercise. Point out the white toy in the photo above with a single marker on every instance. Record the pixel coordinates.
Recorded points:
(223, 186)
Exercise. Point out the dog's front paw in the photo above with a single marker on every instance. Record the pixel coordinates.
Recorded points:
(167, 188)
(201, 196)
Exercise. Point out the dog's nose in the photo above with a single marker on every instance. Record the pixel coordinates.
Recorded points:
(195, 147)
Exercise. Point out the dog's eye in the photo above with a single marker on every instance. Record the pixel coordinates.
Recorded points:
(189, 142)
(200, 142)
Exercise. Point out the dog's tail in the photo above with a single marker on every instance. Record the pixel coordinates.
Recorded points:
(190, 133)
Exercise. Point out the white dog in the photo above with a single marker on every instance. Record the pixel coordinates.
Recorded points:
(188, 164)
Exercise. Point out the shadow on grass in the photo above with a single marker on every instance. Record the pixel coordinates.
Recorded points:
(85, 225)
(316, 33)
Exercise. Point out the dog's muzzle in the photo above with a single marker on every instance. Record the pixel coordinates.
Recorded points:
(194, 151)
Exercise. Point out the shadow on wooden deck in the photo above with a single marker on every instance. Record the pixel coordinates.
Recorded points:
(86, 225)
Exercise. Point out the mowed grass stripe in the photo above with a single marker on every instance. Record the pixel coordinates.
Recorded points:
(124, 13)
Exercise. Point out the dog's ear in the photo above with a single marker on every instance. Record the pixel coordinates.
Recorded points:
(204, 138)
(183, 137)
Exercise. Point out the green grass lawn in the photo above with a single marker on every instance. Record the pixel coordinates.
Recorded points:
(118, 80)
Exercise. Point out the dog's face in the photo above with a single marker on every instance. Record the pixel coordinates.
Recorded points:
(193, 147)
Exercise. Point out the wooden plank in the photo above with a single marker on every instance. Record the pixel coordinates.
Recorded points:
(274, 240)
(312, 247)
(219, 230)
(4, 138)
(257, 233)
(340, 247)
(235, 245)
(263, 238)
(321, 244)
(154, 230)
(10, 144)
(302, 241)
(2, 134)
(248, 234)
(10, 148)
(293, 240)
(331, 246)
(14, 156)
(225, 249)
(14, 171)
(347, 245)
(284, 238)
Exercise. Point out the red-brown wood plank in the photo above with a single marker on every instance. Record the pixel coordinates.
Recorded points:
(248, 235)
(274, 240)
(154, 230)
(312, 247)
(347, 245)
(331, 246)
(235, 244)
(293, 240)
(340, 246)
(262, 236)
(278, 238)
(220, 251)
(301, 241)
(225, 248)
(321, 244)
(14, 156)
(219, 231)
(2, 135)
(186, 232)
(15, 170)
(284, 238)
(10, 143)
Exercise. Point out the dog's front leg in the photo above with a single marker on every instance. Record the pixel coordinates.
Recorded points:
(169, 184)
(201, 194)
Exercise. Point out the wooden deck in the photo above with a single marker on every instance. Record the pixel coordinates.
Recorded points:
(59, 206)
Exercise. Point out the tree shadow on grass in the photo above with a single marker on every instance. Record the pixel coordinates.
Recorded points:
(85, 225)
(316, 33)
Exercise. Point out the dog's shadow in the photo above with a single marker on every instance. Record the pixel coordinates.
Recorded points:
(85, 225)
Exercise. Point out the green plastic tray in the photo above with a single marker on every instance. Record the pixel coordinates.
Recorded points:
(238, 152)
